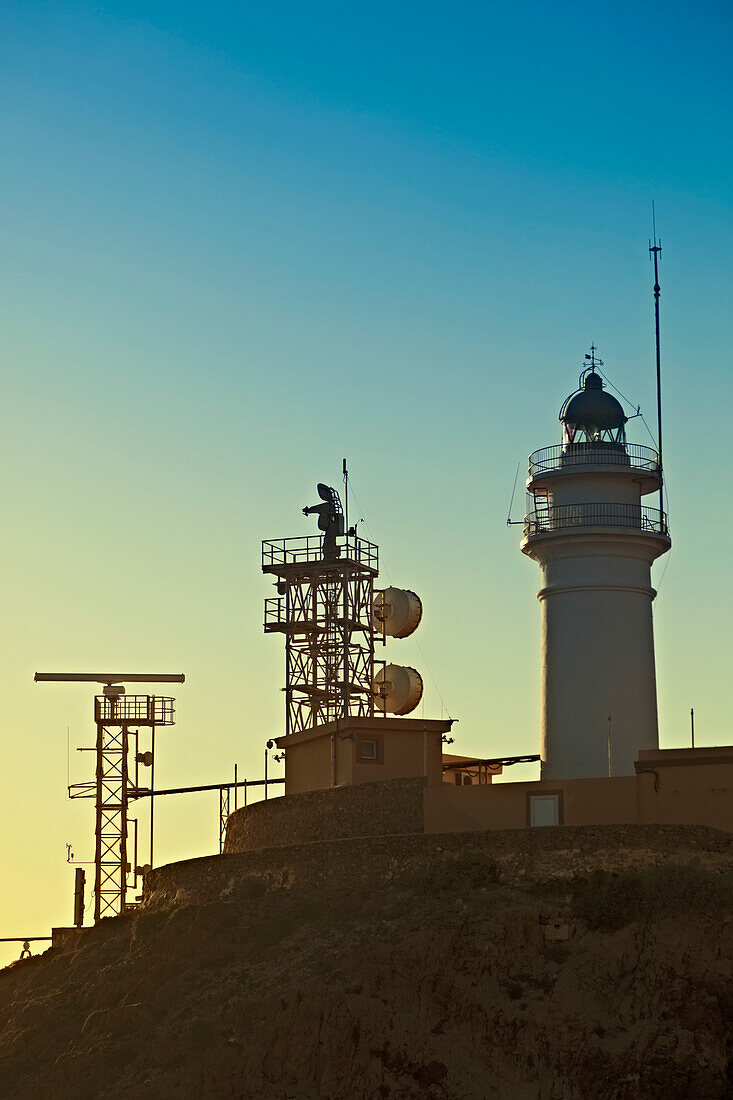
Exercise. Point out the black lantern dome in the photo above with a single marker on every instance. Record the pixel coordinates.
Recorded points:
(592, 415)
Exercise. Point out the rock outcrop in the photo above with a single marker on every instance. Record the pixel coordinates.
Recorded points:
(556, 963)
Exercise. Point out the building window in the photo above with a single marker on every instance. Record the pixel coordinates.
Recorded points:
(368, 750)
(545, 809)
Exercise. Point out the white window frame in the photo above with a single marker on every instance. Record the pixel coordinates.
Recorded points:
(548, 806)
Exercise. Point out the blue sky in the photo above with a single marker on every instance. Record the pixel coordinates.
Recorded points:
(243, 241)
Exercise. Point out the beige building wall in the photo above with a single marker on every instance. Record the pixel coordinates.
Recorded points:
(671, 787)
(363, 750)
(690, 785)
(308, 766)
(675, 787)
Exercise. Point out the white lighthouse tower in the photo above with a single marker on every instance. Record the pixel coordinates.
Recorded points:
(595, 542)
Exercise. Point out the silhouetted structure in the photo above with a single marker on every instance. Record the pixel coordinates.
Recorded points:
(118, 718)
(330, 519)
(325, 587)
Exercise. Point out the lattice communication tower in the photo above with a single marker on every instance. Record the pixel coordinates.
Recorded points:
(325, 587)
(119, 719)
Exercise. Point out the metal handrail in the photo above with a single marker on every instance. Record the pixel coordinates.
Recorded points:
(156, 710)
(307, 549)
(630, 455)
(274, 610)
(559, 517)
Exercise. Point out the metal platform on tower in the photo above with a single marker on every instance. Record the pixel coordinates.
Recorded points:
(281, 556)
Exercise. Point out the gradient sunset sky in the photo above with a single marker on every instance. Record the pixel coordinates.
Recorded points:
(242, 241)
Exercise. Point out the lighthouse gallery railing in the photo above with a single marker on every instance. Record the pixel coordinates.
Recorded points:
(630, 455)
(559, 517)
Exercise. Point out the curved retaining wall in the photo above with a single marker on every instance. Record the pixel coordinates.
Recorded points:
(518, 856)
(388, 808)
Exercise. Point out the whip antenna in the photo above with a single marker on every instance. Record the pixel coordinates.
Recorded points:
(654, 251)
(511, 502)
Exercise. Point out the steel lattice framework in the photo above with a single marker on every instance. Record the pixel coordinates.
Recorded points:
(118, 720)
(112, 795)
(324, 610)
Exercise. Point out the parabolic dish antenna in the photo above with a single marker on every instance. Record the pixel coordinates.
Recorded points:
(396, 612)
(398, 689)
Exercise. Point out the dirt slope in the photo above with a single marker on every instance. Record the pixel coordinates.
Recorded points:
(475, 966)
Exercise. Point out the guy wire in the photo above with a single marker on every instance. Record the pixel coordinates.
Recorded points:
(389, 578)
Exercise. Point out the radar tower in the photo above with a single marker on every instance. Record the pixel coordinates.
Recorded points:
(119, 719)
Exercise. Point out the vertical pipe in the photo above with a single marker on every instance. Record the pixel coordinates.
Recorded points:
(313, 644)
(236, 789)
(266, 755)
(288, 686)
(610, 772)
(124, 740)
(152, 793)
(98, 828)
(346, 639)
(221, 818)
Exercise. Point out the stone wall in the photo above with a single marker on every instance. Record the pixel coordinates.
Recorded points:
(360, 865)
(390, 808)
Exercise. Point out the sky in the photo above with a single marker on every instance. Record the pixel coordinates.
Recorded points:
(243, 241)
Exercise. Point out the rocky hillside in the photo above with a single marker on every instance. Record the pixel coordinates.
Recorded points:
(555, 963)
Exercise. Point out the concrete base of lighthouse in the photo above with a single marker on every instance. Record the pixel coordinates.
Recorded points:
(599, 705)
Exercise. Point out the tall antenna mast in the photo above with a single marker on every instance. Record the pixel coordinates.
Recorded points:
(346, 497)
(654, 250)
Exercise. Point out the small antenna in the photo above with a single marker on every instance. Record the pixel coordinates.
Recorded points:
(346, 496)
(654, 251)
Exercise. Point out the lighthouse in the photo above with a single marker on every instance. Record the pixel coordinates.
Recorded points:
(594, 538)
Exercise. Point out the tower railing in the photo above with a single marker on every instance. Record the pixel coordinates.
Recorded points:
(308, 550)
(562, 455)
(559, 517)
(141, 710)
